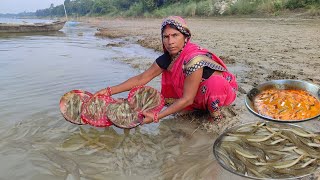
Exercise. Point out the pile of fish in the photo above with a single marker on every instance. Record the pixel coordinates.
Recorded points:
(81, 107)
(121, 114)
(126, 113)
(71, 105)
(95, 108)
(269, 150)
(145, 99)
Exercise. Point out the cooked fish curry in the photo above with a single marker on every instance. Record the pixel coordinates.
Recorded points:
(287, 104)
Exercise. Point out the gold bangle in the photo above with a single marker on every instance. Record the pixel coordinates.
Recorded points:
(155, 117)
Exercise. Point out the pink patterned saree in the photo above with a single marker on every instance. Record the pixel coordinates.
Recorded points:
(214, 92)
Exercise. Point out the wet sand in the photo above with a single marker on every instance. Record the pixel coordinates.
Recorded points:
(255, 50)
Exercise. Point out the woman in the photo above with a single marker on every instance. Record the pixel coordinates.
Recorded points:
(192, 77)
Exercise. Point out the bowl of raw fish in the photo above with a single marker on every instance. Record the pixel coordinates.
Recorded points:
(269, 150)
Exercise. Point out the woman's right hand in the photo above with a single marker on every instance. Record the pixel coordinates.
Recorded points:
(148, 117)
(105, 92)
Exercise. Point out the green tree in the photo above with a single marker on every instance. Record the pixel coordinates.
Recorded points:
(103, 7)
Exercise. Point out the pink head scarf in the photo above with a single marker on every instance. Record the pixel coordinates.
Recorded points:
(178, 22)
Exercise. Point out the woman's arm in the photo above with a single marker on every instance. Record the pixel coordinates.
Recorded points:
(190, 89)
(141, 79)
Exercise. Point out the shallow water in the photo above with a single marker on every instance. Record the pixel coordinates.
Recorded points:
(37, 143)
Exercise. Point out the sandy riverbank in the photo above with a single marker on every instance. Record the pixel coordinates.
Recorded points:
(255, 50)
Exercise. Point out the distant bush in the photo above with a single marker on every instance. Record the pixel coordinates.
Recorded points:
(314, 10)
(270, 6)
(190, 9)
(243, 7)
(294, 4)
(135, 10)
(204, 8)
(159, 13)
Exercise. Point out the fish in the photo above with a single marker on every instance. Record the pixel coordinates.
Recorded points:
(126, 113)
(269, 150)
(73, 108)
(121, 114)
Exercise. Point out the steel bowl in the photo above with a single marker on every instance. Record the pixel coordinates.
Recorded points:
(282, 84)
(219, 140)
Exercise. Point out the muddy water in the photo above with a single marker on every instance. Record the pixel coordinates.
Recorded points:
(37, 143)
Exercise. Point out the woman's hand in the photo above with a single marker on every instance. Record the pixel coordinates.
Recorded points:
(101, 92)
(106, 91)
(148, 117)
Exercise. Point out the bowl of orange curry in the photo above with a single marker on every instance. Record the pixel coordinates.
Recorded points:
(285, 100)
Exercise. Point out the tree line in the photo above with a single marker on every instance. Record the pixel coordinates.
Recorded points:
(160, 8)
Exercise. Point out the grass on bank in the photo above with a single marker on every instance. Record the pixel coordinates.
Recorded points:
(207, 8)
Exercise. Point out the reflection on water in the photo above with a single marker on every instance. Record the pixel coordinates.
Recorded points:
(37, 143)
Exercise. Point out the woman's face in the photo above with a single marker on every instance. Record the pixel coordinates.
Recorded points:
(173, 40)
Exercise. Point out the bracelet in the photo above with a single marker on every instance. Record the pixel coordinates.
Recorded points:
(155, 117)
(109, 92)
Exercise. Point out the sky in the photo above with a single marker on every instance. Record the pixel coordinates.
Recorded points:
(17, 6)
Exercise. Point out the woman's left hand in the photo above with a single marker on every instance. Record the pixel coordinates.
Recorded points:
(148, 117)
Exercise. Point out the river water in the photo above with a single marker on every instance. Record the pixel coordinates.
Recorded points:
(37, 143)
